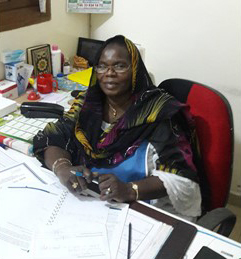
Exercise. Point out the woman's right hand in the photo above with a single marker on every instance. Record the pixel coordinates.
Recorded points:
(75, 184)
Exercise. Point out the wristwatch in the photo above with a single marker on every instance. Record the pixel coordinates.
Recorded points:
(135, 188)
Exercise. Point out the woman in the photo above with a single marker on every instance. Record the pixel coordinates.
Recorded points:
(132, 136)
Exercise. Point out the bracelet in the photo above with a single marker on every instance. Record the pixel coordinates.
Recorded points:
(58, 165)
(134, 187)
(65, 160)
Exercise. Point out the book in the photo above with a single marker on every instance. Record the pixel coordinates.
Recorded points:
(40, 57)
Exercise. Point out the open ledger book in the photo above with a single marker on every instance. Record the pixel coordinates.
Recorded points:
(40, 219)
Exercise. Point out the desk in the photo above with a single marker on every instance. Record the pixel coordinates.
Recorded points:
(17, 132)
(226, 247)
(203, 237)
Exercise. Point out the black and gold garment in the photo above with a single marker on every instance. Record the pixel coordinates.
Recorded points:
(154, 116)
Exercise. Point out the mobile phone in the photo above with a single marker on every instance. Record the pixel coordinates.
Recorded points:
(207, 253)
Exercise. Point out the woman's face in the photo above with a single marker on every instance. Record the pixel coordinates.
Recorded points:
(112, 83)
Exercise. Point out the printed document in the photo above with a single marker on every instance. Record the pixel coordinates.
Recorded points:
(148, 236)
(84, 240)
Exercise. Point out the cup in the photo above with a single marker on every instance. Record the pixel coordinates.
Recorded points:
(46, 84)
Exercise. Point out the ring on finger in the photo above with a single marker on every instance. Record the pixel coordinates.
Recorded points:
(75, 185)
(108, 191)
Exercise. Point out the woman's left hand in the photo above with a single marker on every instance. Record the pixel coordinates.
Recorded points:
(111, 188)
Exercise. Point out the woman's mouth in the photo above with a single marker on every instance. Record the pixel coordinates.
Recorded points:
(110, 85)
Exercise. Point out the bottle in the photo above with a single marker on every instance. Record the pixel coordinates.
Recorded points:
(60, 80)
(56, 59)
(66, 67)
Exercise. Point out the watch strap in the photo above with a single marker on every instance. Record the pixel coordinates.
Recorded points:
(134, 186)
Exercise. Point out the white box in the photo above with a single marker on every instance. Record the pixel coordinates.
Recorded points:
(12, 70)
(9, 56)
(7, 106)
(8, 89)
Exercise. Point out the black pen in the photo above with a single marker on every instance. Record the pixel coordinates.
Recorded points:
(129, 241)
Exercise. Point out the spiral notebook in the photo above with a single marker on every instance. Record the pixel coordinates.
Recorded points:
(38, 205)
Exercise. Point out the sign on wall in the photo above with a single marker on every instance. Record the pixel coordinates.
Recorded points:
(89, 6)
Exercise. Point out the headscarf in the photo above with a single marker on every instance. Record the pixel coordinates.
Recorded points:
(154, 116)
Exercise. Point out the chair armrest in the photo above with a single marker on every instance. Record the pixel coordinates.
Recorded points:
(221, 217)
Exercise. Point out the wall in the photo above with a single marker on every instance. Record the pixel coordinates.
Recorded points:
(63, 29)
(198, 40)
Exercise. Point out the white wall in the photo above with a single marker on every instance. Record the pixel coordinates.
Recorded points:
(192, 39)
(63, 29)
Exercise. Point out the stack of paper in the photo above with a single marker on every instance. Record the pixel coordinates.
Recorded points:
(7, 106)
(41, 219)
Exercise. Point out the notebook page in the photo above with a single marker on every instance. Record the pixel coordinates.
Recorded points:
(23, 209)
(81, 208)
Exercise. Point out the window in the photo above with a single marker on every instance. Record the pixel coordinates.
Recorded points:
(19, 13)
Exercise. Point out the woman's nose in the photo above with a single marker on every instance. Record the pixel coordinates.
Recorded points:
(110, 71)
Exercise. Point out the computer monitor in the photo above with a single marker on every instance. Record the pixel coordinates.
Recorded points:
(88, 48)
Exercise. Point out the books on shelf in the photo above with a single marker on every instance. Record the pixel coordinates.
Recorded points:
(40, 57)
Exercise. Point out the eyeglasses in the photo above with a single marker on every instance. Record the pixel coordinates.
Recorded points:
(118, 68)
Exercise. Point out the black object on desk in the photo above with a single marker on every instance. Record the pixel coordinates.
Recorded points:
(41, 110)
(207, 253)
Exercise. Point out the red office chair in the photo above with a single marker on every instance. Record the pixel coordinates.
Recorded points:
(214, 125)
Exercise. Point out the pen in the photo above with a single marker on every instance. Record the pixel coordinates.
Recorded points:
(76, 173)
(129, 241)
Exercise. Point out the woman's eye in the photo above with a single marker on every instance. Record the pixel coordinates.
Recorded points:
(101, 66)
(120, 66)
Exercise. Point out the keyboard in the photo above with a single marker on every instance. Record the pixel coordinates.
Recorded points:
(24, 128)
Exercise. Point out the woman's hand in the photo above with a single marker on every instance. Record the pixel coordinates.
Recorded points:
(111, 188)
(75, 184)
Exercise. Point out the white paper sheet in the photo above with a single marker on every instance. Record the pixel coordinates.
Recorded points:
(115, 225)
(22, 211)
(144, 233)
(20, 173)
(6, 160)
(87, 240)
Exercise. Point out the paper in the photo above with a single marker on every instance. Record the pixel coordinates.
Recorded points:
(78, 209)
(7, 106)
(88, 240)
(115, 225)
(89, 6)
(6, 160)
(28, 170)
(21, 173)
(81, 77)
(23, 208)
(53, 97)
(145, 232)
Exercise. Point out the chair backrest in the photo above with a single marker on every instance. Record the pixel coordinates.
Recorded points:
(214, 125)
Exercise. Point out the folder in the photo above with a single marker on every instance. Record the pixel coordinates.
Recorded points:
(180, 238)
(81, 77)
